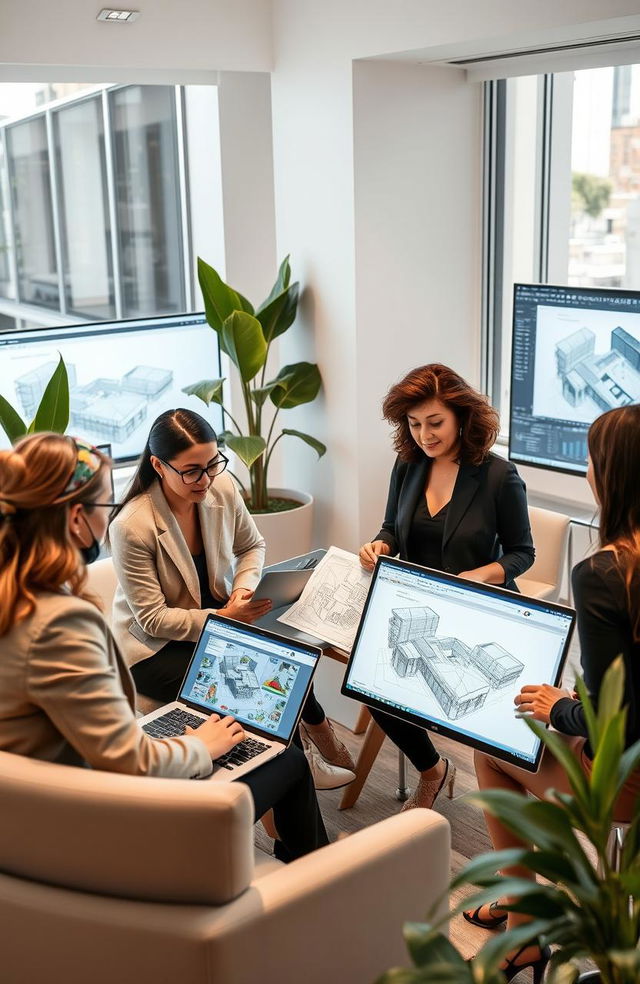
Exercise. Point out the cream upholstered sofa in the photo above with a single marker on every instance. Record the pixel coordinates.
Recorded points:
(107, 878)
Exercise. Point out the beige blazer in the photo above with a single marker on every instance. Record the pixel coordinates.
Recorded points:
(158, 594)
(67, 696)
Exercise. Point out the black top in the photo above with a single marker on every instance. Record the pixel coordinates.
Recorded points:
(605, 631)
(426, 534)
(207, 600)
(487, 518)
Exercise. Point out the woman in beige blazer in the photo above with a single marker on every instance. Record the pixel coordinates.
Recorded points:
(66, 694)
(181, 529)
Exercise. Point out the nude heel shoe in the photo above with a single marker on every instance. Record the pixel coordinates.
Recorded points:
(428, 790)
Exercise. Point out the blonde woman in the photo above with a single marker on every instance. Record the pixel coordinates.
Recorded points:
(66, 694)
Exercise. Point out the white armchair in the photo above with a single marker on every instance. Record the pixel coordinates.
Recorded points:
(109, 878)
(550, 532)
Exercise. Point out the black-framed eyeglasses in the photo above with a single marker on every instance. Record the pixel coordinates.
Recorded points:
(105, 505)
(191, 476)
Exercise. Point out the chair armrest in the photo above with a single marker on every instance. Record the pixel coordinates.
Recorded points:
(336, 914)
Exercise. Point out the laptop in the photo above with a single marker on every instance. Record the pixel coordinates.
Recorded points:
(449, 655)
(259, 677)
(283, 584)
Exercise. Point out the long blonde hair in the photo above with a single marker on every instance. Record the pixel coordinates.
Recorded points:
(36, 549)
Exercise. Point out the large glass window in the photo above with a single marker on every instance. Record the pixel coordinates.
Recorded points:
(148, 199)
(569, 199)
(85, 227)
(7, 287)
(30, 183)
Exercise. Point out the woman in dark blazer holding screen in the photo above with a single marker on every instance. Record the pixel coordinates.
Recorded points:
(452, 506)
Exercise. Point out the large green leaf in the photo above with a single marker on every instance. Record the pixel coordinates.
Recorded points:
(208, 390)
(244, 343)
(220, 300)
(565, 756)
(604, 774)
(426, 944)
(12, 424)
(278, 316)
(589, 712)
(260, 394)
(53, 412)
(281, 284)
(611, 692)
(248, 449)
(298, 383)
(317, 446)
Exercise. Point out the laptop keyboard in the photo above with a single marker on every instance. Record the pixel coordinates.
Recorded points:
(173, 723)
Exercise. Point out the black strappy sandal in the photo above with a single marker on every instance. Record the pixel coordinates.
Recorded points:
(493, 922)
(538, 966)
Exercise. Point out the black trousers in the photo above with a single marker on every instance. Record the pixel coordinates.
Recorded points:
(160, 677)
(413, 741)
(285, 786)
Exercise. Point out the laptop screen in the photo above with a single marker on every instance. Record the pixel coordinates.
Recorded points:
(256, 676)
(450, 655)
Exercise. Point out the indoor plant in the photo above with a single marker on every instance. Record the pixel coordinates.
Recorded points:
(245, 335)
(52, 413)
(585, 908)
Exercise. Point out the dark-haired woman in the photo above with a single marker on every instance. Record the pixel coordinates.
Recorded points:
(66, 694)
(606, 590)
(182, 528)
(452, 506)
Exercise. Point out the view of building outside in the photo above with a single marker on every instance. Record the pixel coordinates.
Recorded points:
(94, 202)
(604, 243)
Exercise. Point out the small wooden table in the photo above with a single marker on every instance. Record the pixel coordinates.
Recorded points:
(371, 745)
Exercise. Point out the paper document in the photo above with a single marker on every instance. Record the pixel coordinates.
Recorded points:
(331, 604)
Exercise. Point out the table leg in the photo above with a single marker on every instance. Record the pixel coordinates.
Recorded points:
(368, 753)
(363, 720)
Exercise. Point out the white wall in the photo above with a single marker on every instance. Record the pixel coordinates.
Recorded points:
(417, 242)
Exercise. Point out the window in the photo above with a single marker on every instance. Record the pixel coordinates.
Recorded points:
(85, 227)
(148, 199)
(30, 183)
(95, 200)
(565, 202)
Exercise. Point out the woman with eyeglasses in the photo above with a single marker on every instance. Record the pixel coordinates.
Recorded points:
(181, 529)
(66, 694)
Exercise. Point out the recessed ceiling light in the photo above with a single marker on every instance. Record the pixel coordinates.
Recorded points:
(121, 16)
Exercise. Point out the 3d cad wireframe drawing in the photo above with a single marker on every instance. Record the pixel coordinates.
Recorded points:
(460, 677)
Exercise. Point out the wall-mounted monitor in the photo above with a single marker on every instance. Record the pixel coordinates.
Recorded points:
(576, 353)
(122, 374)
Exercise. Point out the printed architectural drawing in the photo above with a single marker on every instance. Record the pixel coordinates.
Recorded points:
(459, 677)
(609, 380)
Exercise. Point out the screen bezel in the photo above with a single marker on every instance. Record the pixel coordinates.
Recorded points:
(517, 459)
(260, 633)
(135, 324)
(435, 726)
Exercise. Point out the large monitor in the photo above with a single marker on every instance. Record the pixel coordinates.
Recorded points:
(450, 655)
(122, 374)
(576, 353)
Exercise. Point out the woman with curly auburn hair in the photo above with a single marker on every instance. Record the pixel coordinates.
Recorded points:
(453, 506)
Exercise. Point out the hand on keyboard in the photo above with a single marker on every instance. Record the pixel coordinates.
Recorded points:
(219, 735)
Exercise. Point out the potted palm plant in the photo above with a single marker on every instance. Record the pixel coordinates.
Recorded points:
(586, 906)
(52, 413)
(246, 335)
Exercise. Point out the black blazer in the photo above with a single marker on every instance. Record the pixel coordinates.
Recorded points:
(487, 519)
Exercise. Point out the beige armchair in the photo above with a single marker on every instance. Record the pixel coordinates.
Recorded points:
(550, 532)
(107, 878)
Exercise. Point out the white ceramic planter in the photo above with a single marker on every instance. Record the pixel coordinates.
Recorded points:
(287, 534)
